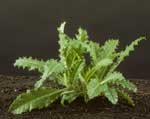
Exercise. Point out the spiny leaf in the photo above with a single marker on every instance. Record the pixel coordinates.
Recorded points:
(51, 67)
(82, 35)
(126, 52)
(126, 84)
(94, 50)
(125, 96)
(80, 46)
(71, 71)
(33, 99)
(109, 48)
(113, 77)
(118, 79)
(63, 41)
(30, 63)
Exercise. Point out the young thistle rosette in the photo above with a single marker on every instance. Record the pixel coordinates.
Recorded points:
(76, 77)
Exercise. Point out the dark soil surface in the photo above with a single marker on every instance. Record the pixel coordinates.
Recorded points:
(100, 108)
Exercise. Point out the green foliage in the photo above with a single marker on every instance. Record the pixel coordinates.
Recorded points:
(35, 98)
(30, 63)
(51, 68)
(125, 96)
(76, 77)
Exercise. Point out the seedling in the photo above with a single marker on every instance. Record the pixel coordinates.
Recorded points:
(76, 77)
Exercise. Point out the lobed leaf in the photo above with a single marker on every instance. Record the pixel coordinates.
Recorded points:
(109, 48)
(118, 79)
(63, 41)
(126, 52)
(78, 77)
(51, 67)
(82, 35)
(30, 63)
(95, 51)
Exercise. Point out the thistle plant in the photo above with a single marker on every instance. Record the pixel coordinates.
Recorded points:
(76, 77)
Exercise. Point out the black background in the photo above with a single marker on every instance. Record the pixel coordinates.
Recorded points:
(28, 28)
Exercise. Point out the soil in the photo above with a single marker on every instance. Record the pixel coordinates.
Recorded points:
(99, 108)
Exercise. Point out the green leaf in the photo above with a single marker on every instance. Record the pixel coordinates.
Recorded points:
(82, 35)
(104, 63)
(118, 79)
(69, 96)
(113, 77)
(111, 95)
(63, 42)
(125, 96)
(79, 46)
(30, 63)
(94, 88)
(33, 99)
(62, 27)
(94, 50)
(98, 53)
(51, 67)
(91, 71)
(75, 72)
(127, 84)
(72, 56)
(126, 52)
(109, 48)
